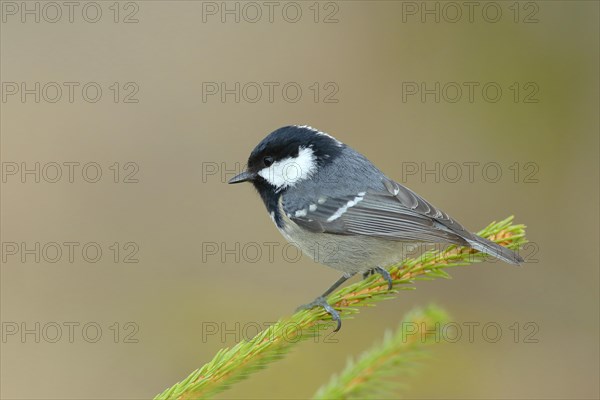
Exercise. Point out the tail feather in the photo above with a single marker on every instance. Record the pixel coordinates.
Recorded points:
(488, 247)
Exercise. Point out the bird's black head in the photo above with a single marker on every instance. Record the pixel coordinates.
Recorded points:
(287, 156)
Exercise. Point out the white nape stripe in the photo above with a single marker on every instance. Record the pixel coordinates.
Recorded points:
(291, 170)
(318, 132)
(340, 211)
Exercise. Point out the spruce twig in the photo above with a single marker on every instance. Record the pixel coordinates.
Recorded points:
(231, 365)
(374, 374)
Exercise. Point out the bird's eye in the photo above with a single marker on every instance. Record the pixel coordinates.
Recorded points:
(268, 161)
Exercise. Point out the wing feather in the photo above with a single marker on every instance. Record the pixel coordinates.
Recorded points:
(394, 213)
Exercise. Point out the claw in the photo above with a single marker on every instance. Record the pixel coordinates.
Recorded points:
(322, 302)
(384, 274)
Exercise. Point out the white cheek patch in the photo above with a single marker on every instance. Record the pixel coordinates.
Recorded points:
(289, 171)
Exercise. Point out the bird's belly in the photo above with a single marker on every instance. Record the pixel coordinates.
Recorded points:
(346, 253)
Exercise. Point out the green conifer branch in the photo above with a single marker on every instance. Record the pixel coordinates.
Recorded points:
(374, 375)
(231, 365)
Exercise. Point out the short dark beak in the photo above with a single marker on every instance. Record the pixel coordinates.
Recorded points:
(243, 177)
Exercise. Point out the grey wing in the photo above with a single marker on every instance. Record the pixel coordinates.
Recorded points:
(393, 213)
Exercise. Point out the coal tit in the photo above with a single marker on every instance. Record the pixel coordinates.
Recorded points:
(340, 209)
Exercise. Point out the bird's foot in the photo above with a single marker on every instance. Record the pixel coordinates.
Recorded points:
(322, 302)
(384, 274)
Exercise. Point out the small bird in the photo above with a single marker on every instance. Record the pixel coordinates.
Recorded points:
(339, 208)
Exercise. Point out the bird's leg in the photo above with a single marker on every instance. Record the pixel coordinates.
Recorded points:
(384, 274)
(321, 301)
(368, 273)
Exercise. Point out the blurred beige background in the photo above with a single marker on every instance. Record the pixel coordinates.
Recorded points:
(178, 132)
